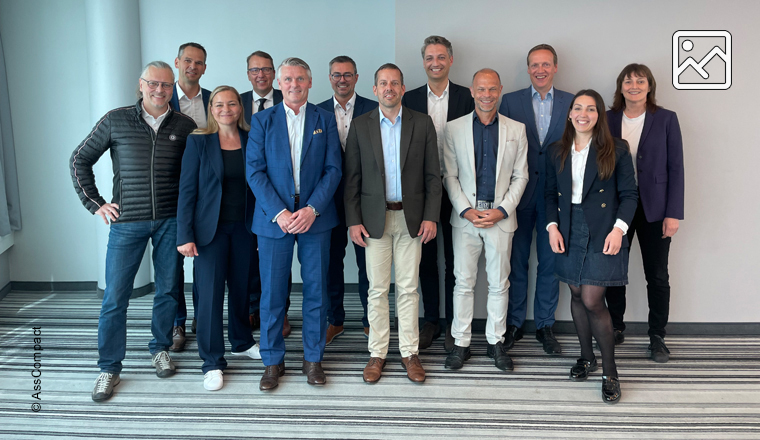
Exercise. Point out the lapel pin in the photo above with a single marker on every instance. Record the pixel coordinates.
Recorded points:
(317, 131)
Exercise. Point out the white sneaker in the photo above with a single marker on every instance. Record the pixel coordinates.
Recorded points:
(252, 352)
(213, 380)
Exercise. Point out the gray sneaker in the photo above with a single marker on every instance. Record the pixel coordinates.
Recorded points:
(104, 386)
(163, 364)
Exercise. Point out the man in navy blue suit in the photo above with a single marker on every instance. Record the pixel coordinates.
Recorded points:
(346, 104)
(260, 69)
(293, 167)
(543, 110)
(190, 99)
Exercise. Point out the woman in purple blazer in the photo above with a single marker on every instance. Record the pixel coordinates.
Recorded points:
(654, 137)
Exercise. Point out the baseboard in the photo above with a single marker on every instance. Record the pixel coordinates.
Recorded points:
(54, 286)
(5, 290)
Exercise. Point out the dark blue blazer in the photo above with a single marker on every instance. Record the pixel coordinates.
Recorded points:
(247, 99)
(200, 189)
(361, 106)
(269, 169)
(205, 94)
(519, 106)
(659, 163)
(603, 201)
(460, 101)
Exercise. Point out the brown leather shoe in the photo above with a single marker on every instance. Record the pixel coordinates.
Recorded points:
(255, 321)
(413, 367)
(314, 373)
(333, 331)
(286, 328)
(271, 377)
(178, 339)
(374, 369)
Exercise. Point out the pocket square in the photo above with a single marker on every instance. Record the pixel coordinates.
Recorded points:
(317, 131)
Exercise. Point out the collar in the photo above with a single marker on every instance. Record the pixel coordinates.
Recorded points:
(533, 92)
(445, 93)
(398, 117)
(476, 118)
(269, 96)
(349, 105)
(289, 111)
(146, 114)
(181, 93)
(584, 150)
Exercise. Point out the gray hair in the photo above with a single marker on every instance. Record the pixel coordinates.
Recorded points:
(157, 65)
(437, 39)
(293, 62)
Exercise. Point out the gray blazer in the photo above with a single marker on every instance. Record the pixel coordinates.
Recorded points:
(365, 172)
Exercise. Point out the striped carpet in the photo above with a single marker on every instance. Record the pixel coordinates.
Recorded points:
(709, 390)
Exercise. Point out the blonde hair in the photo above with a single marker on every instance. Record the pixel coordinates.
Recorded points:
(211, 125)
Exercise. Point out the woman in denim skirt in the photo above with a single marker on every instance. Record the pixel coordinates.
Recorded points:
(591, 198)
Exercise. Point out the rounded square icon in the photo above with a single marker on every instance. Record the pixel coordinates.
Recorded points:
(701, 60)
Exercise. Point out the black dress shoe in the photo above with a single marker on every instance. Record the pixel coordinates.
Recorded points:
(455, 359)
(271, 377)
(619, 337)
(314, 373)
(546, 337)
(610, 389)
(582, 368)
(448, 343)
(658, 351)
(429, 332)
(514, 334)
(498, 353)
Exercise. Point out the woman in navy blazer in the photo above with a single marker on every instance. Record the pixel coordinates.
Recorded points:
(590, 201)
(214, 215)
(654, 136)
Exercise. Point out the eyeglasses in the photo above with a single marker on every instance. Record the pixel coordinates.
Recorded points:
(337, 76)
(153, 84)
(256, 70)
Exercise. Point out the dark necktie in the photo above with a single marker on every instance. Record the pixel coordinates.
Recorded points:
(261, 104)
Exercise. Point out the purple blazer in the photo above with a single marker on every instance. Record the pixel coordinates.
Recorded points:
(659, 163)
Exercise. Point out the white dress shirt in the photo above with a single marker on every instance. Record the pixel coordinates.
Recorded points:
(268, 103)
(343, 118)
(295, 135)
(631, 132)
(438, 109)
(192, 107)
(153, 122)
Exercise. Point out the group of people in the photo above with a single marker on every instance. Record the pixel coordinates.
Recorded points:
(235, 181)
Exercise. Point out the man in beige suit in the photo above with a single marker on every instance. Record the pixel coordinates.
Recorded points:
(485, 174)
(393, 200)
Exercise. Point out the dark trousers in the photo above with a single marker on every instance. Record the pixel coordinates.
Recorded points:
(226, 257)
(254, 281)
(181, 303)
(654, 253)
(336, 287)
(429, 282)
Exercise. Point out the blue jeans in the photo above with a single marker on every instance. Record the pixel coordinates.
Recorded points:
(126, 246)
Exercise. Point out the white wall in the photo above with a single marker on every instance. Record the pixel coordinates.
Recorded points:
(713, 257)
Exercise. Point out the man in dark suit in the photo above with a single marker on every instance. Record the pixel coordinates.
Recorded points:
(346, 104)
(543, 110)
(444, 101)
(293, 168)
(393, 198)
(263, 96)
(192, 100)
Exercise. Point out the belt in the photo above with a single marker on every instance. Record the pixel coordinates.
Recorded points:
(394, 206)
(484, 204)
(297, 198)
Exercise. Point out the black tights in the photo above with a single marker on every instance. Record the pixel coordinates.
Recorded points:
(591, 317)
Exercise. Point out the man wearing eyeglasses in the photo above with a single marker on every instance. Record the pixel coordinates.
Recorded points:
(192, 100)
(346, 104)
(263, 96)
(261, 75)
(147, 141)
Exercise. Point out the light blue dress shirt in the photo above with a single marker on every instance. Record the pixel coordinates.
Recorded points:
(390, 133)
(542, 110)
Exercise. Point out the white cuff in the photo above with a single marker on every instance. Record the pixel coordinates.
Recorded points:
(622, 225)
(274, 220)
(551, 223)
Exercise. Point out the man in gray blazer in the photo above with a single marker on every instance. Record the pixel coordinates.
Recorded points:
(485, 174)
(393, 200)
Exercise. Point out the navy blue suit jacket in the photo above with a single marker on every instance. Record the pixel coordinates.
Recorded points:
(247, 99)
(519, 106)
(460, 101)
(269, 169)
(205, 94)
(603, 201)
(200, 189)
(659, 163)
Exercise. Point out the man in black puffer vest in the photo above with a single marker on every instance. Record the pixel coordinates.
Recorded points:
(146, 143)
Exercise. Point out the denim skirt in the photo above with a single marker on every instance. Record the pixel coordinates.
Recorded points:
(580, 264)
